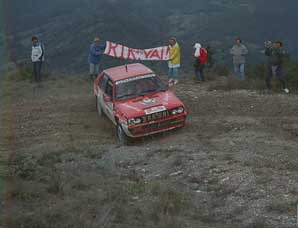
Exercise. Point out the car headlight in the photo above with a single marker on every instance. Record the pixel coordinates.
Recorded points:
(180, 110)
(138, 120)
(174, 111)
(131, 121)
(134, 121)
(177, 111)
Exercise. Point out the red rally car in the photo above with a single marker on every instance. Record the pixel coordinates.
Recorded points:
(137, 102)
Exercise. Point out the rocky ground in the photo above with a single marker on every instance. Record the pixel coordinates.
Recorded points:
(233, 165)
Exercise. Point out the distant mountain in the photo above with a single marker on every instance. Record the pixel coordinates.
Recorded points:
(67, 27)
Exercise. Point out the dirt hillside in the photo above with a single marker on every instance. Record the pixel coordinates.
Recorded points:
(234, 164)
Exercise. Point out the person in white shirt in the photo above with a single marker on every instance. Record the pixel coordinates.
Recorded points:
(37, 58)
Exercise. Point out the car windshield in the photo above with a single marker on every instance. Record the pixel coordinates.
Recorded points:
(138, 86)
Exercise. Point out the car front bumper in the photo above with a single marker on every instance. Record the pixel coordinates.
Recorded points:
(155, 127)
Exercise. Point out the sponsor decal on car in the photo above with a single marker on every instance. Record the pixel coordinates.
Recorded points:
(155, 110)
(135, 78)
(148, 101)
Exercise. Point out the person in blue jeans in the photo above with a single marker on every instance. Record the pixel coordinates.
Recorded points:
(239, 71)
(37, 58)
(96, 51)
(199, 71)
(199, 63)
(239, 52)
(173, 74)
(174, 61)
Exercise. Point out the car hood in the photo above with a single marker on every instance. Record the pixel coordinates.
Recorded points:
(136, 107)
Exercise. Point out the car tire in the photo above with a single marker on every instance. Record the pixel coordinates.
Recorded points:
(98, 107)
(121, 136)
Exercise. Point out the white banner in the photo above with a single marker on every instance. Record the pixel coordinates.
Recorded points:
(123, 52)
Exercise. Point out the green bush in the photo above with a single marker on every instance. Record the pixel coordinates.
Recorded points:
(221, 70)
(291, 70)
(25, 71)
(26, 167)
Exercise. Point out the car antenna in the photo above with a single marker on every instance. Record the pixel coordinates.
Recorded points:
(126, 68)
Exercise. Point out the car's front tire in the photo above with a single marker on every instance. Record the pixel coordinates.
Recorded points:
(98, 107)
(121, 136)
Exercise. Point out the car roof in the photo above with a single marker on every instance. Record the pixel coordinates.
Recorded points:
(120, 72)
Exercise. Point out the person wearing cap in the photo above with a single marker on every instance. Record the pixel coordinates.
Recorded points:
(200, 56)
(174, 61)
(37, 58)
(239, 52)
(95, 52)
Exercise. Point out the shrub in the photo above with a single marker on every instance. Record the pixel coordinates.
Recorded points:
(26, 167)
(25, 71)
(221, 70)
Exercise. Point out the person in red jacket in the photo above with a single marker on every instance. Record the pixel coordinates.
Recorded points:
(200, 56)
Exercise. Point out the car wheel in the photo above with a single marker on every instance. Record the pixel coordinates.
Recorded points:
(121, 136)
(98, 107)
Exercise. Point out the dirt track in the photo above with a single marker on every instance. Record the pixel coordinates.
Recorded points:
(234, 164)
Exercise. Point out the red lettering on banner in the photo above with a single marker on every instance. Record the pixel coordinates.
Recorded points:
(155, 54)
(147, 53)
(168, 52)
(130, 53)
(161, 54)
(112, 48)
(122, 52)
(138, 54)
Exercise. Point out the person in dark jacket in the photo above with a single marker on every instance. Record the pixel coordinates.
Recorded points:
(276, 55)
(95, 52)
(37, 58)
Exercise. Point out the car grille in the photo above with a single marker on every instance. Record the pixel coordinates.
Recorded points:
(160, 124)
(155, 116)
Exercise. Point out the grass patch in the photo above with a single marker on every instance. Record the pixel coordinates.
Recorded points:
(26, 167)
(55, 183)
(93, 152)
(170, 203)
(230, 84)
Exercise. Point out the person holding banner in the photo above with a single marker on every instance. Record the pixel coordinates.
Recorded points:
(174, 61)
(95, 52)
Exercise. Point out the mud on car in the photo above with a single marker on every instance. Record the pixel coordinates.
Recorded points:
(137, 102)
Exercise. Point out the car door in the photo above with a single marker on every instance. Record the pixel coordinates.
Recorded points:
(101, 89)
(108, 101)
(106, 97)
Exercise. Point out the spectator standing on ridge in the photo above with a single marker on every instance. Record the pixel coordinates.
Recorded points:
(200, 56)
(276, 56)
(174, 61)
(239, 52)
(37, 58)
(95, 52)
